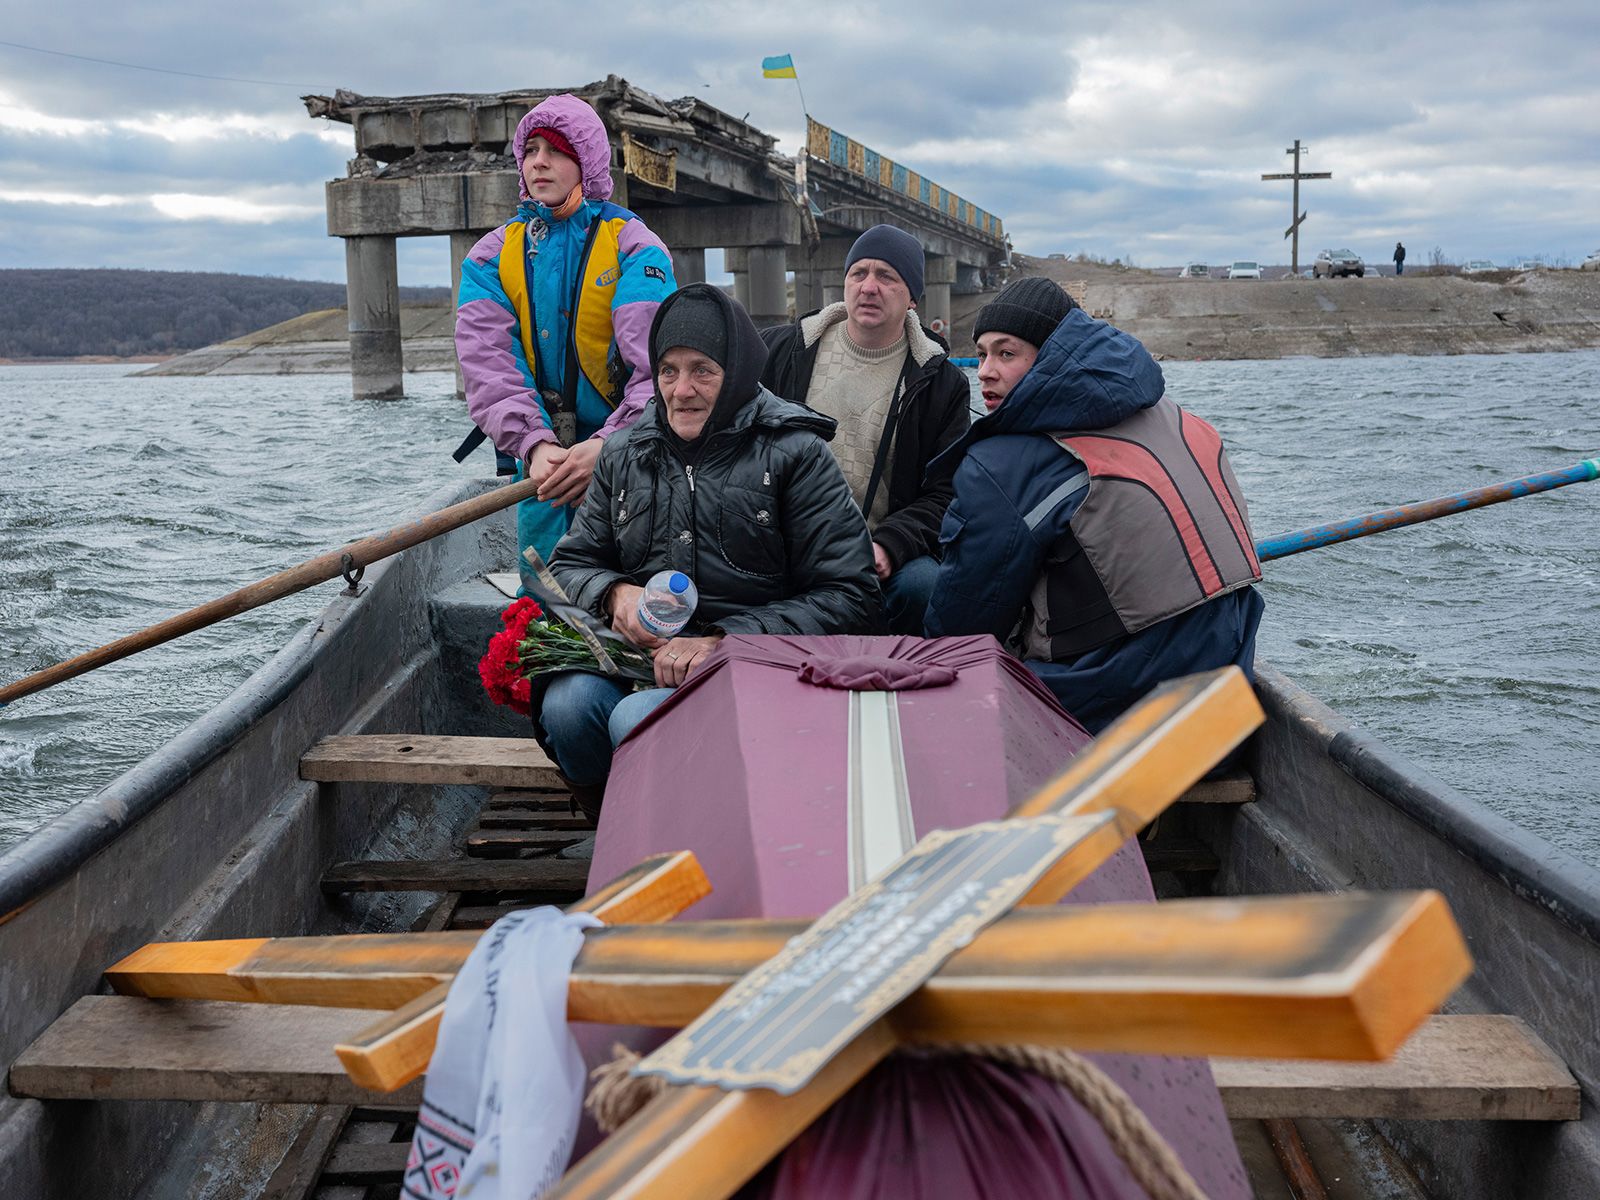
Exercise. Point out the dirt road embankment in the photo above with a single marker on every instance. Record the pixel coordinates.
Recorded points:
(319, 343)
(1413, 314)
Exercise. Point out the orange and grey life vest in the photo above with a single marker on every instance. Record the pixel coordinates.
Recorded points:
(1162, 529)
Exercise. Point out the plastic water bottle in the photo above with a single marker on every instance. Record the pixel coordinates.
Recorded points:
(667, 603)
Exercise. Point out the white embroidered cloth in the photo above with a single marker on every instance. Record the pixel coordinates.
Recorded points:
(501, 1104)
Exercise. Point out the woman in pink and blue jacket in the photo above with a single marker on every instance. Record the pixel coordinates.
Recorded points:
(554, 314)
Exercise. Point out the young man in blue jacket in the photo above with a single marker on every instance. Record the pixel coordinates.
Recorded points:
(1097, 529)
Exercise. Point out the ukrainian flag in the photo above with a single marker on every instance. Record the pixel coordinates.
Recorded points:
(779, 67)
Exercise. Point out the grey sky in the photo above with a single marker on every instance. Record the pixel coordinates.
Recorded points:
(1125, 130)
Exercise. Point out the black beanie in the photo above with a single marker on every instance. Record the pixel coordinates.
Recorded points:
(1029, 308)
(694, 320)
(895, 247)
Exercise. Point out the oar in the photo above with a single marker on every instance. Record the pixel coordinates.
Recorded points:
(349, 560)
(1286, 544)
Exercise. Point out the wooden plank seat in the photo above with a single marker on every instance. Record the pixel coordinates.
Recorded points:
(419, 758)
(129, 1048)
(561, 879)
(1237, 787)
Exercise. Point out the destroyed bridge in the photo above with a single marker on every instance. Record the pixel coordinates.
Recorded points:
(432, 166)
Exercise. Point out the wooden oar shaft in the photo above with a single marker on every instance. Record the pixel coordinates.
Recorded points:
(1285, 544)
(296, 579)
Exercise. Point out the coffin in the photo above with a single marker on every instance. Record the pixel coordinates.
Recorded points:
(797, 769)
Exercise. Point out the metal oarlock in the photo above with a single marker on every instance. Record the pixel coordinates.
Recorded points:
(352, 576)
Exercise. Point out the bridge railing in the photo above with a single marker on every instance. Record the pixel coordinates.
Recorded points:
(834, 147)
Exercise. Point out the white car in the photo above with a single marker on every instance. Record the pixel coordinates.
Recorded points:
(1478, 266)
(1244, 270)
(1592, 263)
(1530, 264)
(1195, 271)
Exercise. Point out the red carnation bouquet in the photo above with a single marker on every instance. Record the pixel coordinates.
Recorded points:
(532, 644)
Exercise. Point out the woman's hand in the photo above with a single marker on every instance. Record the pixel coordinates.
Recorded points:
(675, 660)
(544, 458)
(622, 604)
(570, 479)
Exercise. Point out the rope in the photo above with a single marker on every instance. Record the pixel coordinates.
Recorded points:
(618, 1094)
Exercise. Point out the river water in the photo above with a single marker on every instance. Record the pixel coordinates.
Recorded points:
(1471, 644)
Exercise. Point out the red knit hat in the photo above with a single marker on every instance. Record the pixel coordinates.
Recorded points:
(557, 143)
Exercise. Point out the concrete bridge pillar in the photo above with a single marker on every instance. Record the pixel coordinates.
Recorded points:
(736, 261)
(808, 288)
(688, 266)
(372, 289)
(461, 243)
(769, 293)
(833, 293)
(935, 307)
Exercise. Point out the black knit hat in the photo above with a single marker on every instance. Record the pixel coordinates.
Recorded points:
(1029, 308)
(695, 321)
(895, 247)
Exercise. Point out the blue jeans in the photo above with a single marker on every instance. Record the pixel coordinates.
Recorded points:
(906, 594)
(585, 716)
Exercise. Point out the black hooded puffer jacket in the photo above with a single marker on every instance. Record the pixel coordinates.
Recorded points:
(758, 514)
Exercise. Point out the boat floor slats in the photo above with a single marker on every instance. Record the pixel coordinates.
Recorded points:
(368, 1162)
(1488, 1068)
(531, 818)
(419, 758)
(552, 799)
(512, 843)
(297, 1174)
(131, 1048)
(1178, 854)
(553, 878)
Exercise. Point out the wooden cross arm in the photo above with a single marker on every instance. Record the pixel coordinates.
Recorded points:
(1344, 976)
(396, 1049)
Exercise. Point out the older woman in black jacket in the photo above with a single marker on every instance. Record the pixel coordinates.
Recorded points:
(727, 483)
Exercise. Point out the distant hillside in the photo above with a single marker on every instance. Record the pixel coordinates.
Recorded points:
(63, 314)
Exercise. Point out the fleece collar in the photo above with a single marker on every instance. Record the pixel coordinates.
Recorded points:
(923, 349)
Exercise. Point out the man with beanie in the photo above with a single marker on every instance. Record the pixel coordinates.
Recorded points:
(727, 483)
(1097, 529)
(868, 363)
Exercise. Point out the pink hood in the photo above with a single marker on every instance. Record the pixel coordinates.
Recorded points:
(580, 125)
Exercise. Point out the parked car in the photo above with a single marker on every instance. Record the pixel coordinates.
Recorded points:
(1195, 271)
(1478, 266)
(1331, 264)
(1592, 263)
(1530, 264)
(1244, 270)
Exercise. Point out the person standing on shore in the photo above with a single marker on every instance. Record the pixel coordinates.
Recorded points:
(1399, 259)
(870, 364)
(553, 317)
(1097, 529)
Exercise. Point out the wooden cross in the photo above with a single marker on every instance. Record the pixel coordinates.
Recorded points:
(1347, 976)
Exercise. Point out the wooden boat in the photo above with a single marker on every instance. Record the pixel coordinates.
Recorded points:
(240, 828)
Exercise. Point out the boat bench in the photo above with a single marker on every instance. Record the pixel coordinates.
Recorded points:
(520, 763)
(1469, 1068)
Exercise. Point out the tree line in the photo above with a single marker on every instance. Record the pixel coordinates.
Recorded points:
(66, 313)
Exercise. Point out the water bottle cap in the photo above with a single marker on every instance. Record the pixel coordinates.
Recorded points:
(678, 584)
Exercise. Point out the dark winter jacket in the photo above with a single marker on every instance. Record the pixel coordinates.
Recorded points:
(935, 409)
(1007, 522)
(755, 511)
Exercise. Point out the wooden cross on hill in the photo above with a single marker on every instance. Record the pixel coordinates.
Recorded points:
(784, 1016)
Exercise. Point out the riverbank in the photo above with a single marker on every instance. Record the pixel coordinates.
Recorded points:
(1176, 318)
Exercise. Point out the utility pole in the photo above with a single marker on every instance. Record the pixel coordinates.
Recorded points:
(1295, 215)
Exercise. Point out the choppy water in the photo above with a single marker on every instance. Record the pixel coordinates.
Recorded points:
(1471, 644)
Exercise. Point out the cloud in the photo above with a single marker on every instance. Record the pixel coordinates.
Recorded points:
(1139, 130)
